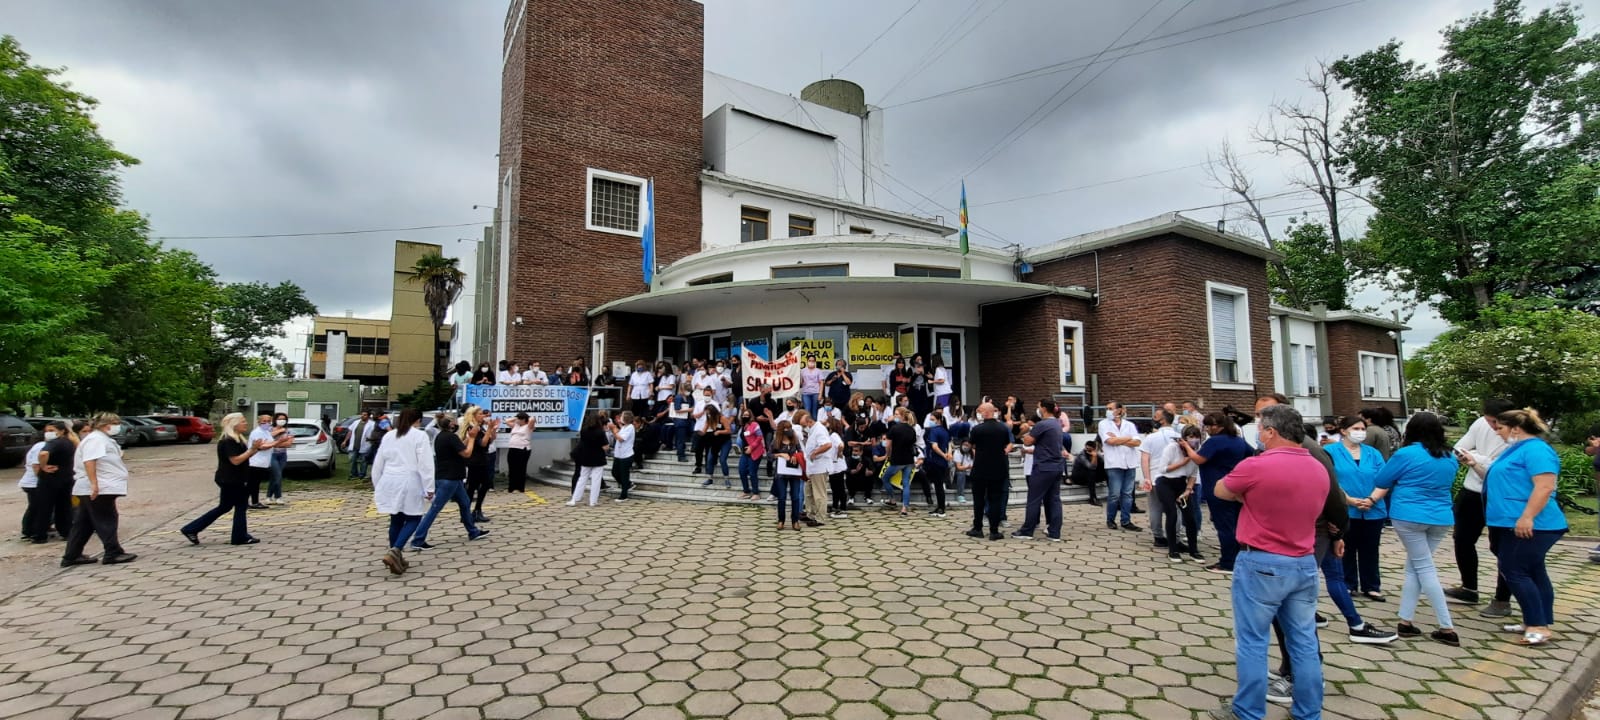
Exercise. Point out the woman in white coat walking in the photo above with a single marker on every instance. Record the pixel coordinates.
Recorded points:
(402, 484)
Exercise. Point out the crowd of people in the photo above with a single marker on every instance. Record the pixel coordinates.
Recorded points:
(1288, 502)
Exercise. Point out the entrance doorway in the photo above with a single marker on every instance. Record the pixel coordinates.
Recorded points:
(947, 345)
(674, 350)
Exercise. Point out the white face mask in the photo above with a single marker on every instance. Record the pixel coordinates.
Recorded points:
(114, 429)
(281, 423)
(50, 435)
(1357, 436)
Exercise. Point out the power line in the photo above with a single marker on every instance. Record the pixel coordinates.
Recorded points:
(1013, 134)
(319, 234)
(1103, 183)
(922, 66)
(875, 40)
(1080, 61)
(926, 53)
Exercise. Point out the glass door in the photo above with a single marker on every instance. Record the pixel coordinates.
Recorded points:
(946, 345)
(674, 350)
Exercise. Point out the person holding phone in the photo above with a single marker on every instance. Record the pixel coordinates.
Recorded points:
(480, 466)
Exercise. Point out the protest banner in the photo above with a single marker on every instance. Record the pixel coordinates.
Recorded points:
(547, 405)
(783, 373)
(820, 350)
(871, 348)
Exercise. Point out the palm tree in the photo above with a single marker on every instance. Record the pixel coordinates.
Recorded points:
(442, 280)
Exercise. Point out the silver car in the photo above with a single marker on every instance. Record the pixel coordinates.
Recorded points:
(144, 431)
(313, 449)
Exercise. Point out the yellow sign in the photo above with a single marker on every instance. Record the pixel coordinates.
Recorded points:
(819, 350)
(870, 349)
(908, 343)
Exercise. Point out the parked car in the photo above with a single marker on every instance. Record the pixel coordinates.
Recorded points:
(191, 429)
(38, 423)
(16, 437)
(341, 430)
(144, 431)
(313, 448)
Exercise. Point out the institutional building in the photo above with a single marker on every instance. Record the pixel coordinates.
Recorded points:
(767, 230)
(388, 356)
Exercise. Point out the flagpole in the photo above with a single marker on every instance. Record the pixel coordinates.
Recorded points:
(966, 263)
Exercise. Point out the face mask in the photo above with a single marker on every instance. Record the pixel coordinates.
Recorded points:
(281, 423)
(1358, 436)
(51, 435)
(1194, 444)
(114, 429)
(484, 369)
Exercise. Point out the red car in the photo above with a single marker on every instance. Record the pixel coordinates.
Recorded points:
(191, 429)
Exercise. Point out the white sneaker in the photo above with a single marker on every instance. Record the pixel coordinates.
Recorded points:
(572, 503)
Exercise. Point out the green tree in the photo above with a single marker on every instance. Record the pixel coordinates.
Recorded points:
(246, 318)
(42, 286)
(1548, 359)
(1311, 270)
(441, 279)
(1458, 153)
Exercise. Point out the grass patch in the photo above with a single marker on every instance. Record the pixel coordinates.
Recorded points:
(1580, 523)
(295, 481)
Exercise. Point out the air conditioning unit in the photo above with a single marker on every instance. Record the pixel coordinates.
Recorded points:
(242, 402)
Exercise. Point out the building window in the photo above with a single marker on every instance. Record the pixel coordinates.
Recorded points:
(1302, 376)
(753, 224)
(713, 279)
(1228, 308)
(1069, 354)
(858, 230)
(802, 226)
(381, 346)
(1380, 376)
(810, 271)
(319, 342)
(1312, 372)
(926, 271)
(614, 203)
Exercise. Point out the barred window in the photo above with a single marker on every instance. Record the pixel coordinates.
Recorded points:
(616, 203)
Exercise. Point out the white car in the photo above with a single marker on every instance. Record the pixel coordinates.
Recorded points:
(313, 449)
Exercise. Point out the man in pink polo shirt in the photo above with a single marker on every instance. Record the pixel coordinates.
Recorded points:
(1283, 491)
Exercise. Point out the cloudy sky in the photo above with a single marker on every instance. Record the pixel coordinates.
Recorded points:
(296, 116)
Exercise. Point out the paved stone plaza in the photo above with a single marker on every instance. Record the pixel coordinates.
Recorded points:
(652, 610)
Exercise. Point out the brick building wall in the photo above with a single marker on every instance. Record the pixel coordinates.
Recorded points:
(632, 336)
(604, 86)
(1149, 338)
(1017, 346)
(1346, 340)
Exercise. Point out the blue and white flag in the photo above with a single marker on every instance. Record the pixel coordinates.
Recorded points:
(648, 242)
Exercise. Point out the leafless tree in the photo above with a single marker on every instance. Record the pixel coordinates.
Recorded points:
(1307, 132)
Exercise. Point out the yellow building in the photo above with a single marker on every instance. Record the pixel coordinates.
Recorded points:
(388, 353)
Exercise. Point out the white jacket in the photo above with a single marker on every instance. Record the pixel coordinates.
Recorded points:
(403, 473)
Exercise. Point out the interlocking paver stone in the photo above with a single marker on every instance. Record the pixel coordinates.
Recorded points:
(682, 610)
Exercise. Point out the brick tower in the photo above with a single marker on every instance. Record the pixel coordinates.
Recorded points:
(594, 99)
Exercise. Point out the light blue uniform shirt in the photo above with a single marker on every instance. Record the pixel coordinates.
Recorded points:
(1510, 482)
(1419, 485)
(1358, 478)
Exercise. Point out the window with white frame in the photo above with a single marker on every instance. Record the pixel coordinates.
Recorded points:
(1302, 379)
(1228, 311)
(1312, 372)
(1380, 376)
(1069, 354)
(615, 203)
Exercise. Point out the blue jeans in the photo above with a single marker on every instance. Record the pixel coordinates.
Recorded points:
(358, 465)
(1420, 541)
(446, 490)
(749, 475)
(401, 527)
(1225, 518)
(1333, 576)
(718, 455)
(790, 488)
(1522, 564)
(1268, 586)
(1119, 494)
(680, 437)
(1044, 492)
(275, 481)
(811, 401)
(905, 483)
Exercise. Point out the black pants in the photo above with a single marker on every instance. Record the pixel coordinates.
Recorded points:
(934, 476)
(622, 470)
(517, 462)
(1168, 490)
(1361, 554)
(988, 499)
(701, 441)
(1470, 527)
(480, 480)
(258, 475)
(97, 517)
(1502, 591)
(840, 493)
(232, 497)
(28, 512)
(640, 408)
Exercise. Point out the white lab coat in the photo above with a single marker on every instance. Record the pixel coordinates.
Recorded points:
(403, 473)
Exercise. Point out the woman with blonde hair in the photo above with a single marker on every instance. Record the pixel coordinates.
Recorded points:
(402, 484)
(232, 479)
(100, 477)
(480, 466)
(1519, 506)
